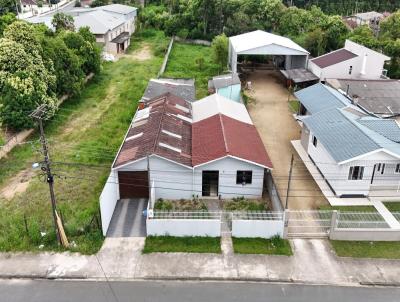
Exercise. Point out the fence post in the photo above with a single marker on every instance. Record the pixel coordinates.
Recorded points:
(285, 223)
(333, 222)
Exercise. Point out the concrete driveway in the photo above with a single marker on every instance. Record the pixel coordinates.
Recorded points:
(271, 115)
(128, 219)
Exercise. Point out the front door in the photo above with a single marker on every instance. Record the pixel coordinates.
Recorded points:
(210, 182)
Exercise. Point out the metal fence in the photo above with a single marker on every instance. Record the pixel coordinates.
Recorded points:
(396, 215)
(360, 220)
(308, 223)
(257, 215)
(162, 214)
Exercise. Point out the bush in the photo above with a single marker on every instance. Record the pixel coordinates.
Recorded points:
(183, 33)
(163, 205)
(243, 204)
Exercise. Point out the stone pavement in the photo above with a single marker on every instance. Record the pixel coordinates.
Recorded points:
(121, 259)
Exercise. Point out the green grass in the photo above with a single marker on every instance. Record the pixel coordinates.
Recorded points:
(87, 130)
(273, 246)
(367, 249)
(182, 64)
(244, 204)
(294, 106)
(169, 244)
(392, 206)
(367, 209)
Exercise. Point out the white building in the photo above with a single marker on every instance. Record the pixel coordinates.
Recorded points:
(354, 61)
(356, 154)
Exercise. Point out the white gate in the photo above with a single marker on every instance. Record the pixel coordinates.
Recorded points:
(306, 224)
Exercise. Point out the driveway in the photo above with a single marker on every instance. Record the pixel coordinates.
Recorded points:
(128, 219)
(271, 115)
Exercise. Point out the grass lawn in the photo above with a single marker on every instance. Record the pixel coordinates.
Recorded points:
(182, 63)
(169, 244)
(366, 209)
(392, 206)
(273, 246)
(83, 139)
(367, 249)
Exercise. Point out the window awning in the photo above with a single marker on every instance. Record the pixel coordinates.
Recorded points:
(121, 38)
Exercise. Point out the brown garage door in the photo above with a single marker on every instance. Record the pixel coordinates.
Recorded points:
(133, 184)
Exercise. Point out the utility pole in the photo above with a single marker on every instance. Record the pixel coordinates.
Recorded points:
(288, 186)
(39, 114)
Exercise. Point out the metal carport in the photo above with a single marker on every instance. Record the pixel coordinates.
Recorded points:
(263, 43)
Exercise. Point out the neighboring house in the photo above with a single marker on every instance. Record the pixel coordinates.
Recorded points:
(29, 6)
(208, 148)
(367, 18)
(354, 61)
(112, 24)
(183, 88)
(378, 97)
(227, 85)
(355, 153)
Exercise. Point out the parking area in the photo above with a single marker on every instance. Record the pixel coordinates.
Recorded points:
(128, 219)
(272, 117)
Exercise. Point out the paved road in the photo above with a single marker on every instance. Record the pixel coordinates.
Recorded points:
(128, 219)
(88, 291)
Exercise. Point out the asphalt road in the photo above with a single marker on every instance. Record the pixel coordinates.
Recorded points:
(138, 291)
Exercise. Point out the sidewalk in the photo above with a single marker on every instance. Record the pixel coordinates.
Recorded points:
(121, 258)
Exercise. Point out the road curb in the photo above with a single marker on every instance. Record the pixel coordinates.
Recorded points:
(386, 284)
(242, 279)
(43, 277)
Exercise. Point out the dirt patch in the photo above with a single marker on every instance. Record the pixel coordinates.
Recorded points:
(18, 184)
(272, 117)
(142, 54)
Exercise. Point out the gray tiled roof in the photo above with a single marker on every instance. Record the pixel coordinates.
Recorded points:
(319, 97)
(386, 127)
(183, 88)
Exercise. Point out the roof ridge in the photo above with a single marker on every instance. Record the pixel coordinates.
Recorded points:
(223, 133)
(160, 126)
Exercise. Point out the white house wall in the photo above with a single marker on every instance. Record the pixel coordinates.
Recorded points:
(228, 188)
(108, 200)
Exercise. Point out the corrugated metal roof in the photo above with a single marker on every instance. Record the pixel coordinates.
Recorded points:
(183, 88)
(225, 80)
(386, 127)
(98, 21)
(259, 38)
(319, 97)
(118, 8)
(333, 58)
(339, 135)
(218, 104)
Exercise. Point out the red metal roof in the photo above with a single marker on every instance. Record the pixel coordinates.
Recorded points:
(220, 136)
(153, 130)
(333, 58)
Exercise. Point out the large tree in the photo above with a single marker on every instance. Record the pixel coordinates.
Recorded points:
(220, 51)
(62, 21)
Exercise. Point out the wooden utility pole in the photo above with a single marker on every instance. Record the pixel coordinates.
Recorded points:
(39, 114)
(289, 180)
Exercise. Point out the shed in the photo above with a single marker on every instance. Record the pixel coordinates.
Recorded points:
(263, 43)
(227, 85)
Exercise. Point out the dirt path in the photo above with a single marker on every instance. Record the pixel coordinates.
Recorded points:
(277, 127)
(18, 184)
(142, 54)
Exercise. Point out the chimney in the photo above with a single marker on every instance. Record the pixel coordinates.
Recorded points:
(355, 99)
(364, 64)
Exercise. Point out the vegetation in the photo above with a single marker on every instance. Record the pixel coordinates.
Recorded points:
(180, 205)
(36, 65)
(367, 249)
(366, 209)
(182, 64)
(169, 244)
(273, 246)
(346, 8)
(393, 206)
(83, 140)
(62, 21)
(219, 47)
(243, 204)
(294, 106)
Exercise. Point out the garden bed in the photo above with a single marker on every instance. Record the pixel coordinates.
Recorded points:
(180, 205)
(169, 244)
(244, 204)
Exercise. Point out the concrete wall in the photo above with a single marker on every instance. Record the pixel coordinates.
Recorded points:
(228, 188)
(108, 200)
(257, 228)
(184, 227)
(293, 62)
(305, 137)
(231, 92)
(365, 234)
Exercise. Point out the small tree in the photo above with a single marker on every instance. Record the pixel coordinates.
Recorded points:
(200, 63)
(220, 51)
(62, 21)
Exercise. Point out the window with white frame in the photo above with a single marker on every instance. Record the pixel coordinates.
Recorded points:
(397, 168)
(244, 177)
(350, 69)
(314, 141)
(356, 173)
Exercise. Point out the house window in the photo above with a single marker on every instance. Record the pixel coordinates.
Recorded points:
(397, 169)
(350, 69)
(314, 141)
(244, 177)
(356, 173)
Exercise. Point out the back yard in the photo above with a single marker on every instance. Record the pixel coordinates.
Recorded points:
(83, 139)
(192, 61)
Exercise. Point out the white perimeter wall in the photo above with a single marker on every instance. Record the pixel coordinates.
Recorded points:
(184, 227)
(108, 200)
(228, 188)
(257, 228)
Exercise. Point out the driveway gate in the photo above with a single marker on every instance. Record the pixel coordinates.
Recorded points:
(305, 224)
